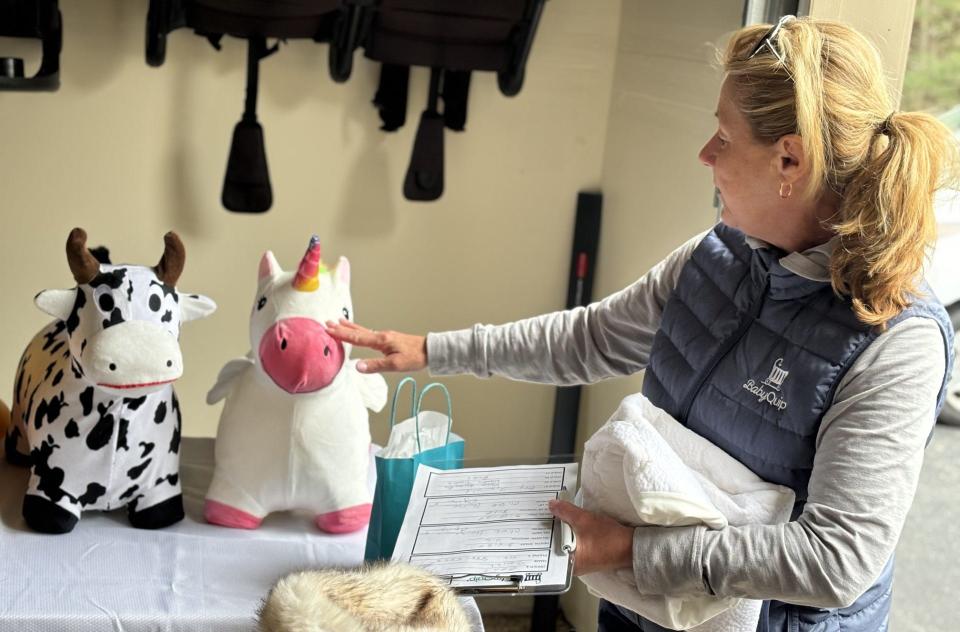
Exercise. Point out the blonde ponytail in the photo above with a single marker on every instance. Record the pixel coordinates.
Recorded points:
(827, 85)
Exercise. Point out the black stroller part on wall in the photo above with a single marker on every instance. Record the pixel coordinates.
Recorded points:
(246, 185)
(453, 38)
(32, 19)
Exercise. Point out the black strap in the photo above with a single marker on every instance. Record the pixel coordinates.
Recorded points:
(246, 185)
(391, 96)
(456, 88)
(424, 179)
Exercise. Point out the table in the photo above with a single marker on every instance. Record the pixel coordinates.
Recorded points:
(106, 575)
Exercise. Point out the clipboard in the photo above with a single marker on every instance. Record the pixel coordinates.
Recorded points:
(488, 531)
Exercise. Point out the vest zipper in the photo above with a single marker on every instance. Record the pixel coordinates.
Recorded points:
(725, 349)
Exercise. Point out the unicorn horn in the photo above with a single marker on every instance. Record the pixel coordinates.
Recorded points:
(307, 279)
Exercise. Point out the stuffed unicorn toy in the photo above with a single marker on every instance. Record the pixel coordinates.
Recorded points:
(294, 431)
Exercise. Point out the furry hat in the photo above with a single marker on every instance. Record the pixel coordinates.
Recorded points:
(377, 598)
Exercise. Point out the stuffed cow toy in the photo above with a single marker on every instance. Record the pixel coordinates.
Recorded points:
(294, 431)
(94, 414)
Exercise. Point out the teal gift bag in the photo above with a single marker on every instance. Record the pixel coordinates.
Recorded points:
(425, 437)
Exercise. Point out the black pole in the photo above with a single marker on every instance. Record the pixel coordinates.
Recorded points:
(566, 408)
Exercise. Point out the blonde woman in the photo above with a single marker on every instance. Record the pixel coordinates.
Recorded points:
(810, 290)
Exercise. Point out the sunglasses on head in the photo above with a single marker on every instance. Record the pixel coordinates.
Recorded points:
(768, 38)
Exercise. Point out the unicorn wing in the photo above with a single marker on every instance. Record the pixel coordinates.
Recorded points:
(372, 388)
(228, 375)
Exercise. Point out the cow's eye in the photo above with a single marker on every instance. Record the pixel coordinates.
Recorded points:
(346, 313)
(261, 302)
(105, 301)
(103, 297)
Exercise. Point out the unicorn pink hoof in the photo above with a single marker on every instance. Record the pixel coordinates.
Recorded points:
(227, 516)
(345, 520)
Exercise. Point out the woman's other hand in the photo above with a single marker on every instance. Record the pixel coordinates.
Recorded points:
(603, 544)
(401, 352)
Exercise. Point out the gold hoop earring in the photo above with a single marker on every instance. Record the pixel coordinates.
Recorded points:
(789, 189)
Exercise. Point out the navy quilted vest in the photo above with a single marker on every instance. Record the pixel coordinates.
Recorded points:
(743, 338)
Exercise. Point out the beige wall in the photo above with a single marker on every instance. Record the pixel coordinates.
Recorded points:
(888, 24)
(656, 192)
(129, 151)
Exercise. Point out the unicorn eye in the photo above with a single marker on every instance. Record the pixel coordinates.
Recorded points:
(261, 303)
(346, 313)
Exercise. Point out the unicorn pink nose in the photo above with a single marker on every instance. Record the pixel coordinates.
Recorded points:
(299, 355)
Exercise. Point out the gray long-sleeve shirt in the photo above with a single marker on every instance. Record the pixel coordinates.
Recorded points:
(869, 448)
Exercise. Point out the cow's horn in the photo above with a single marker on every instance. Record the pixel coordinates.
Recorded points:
(82, 264)
(171, 263)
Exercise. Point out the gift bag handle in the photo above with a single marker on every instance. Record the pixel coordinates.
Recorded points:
(446, 393)
(413, 401)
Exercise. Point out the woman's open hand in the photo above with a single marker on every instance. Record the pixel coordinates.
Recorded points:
(603, 544)
(401, 352)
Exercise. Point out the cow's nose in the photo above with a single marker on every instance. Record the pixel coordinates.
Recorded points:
(133, 355)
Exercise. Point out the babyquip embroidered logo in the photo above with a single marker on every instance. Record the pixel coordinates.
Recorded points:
(774, 381)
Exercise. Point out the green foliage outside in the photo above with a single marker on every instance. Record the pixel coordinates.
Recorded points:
(932, 81)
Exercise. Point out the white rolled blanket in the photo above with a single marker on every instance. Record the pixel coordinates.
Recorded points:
(645, 468)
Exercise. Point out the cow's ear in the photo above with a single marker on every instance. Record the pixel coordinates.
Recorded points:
(341, 275)
(195, 306)
(57, 303)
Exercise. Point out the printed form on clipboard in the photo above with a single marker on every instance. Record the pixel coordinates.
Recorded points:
(489, 530)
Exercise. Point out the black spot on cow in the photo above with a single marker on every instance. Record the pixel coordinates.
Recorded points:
(167, 290)
(130, 290)
(72, 430)
(169, 478)
(134, 472)
(112, 279)
(17, 388)
(75, 368)
(93, 494)
(133, 403)
(161, 413)
(167, 317)
(86, 400)
(57, 378)
(57, 347)
(49, 408)
(51, 336)
(83, 346)
(155, 303)
(101, 254)
(51, 478)
(73, 321)
(49, 370)
(147, 448)
(175, 440)
(30, 400)
(130, 492)
(122, 434)
(115, 318)
(100, 435)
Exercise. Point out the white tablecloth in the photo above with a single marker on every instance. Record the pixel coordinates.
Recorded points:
(106, 575)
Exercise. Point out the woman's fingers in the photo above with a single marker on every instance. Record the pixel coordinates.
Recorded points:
(602, 542)
(355, 335)
(401, 352)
